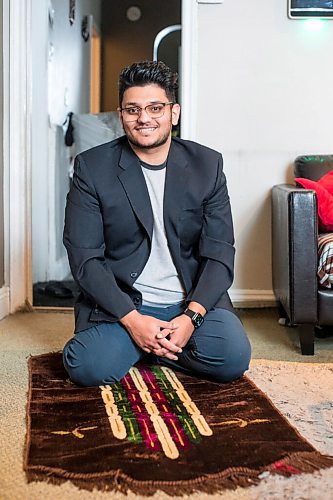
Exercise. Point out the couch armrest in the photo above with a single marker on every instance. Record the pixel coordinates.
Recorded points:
(294, 247)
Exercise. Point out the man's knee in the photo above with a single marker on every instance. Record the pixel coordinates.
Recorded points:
(86, 369)
(224, 348)
(225, 366)
(234, 365)
(236, 360)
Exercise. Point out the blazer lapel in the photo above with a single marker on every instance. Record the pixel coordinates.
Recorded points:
(175, 188)
(133, 181)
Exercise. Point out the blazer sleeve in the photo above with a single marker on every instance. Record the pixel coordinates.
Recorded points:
(216, 246)
(84, 241)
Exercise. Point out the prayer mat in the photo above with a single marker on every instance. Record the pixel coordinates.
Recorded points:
(157, 429)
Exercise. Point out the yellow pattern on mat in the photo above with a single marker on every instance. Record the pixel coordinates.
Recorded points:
(76, 432)
(190, 406)
(116, 422)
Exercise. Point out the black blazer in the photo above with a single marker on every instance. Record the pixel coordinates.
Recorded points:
(109, 223)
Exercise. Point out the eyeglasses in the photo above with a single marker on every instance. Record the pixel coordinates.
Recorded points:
(156, 110)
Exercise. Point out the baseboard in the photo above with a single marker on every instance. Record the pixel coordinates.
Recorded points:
(252, 298)
(4, 301)
(240, 299)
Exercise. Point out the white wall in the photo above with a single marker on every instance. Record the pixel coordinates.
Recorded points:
(4, 291)
(69, 70)
(60, 84)
(2, 217)
(264, 96)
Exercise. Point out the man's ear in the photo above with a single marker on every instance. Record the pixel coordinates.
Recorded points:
(120, 116)
(175, 113)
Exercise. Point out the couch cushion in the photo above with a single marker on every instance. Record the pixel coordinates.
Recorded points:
(313, 166)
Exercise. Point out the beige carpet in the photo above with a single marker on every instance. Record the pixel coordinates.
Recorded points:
(301, 387)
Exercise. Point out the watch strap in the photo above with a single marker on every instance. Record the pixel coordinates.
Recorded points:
(196, 318)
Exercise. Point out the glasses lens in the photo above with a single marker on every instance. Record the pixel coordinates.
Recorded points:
(155, 110)
(131, 114)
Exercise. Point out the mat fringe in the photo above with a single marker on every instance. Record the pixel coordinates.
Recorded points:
(301, 462)
(296, 463)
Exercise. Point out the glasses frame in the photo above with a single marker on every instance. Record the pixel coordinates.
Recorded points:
(145, 110)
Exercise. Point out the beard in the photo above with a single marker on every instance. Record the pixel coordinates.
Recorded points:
(159, 142)
(136, 142)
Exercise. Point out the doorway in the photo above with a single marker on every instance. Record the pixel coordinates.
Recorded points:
(74, 101)
(95, 69)
(21, 116)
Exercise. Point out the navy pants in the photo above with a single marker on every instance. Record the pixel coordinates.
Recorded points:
(103, 354)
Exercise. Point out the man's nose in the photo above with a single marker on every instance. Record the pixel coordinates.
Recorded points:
(144, 116)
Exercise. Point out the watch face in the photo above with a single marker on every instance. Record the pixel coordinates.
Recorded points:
(197, 320)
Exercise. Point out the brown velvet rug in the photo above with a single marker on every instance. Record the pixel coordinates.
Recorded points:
(157, 430)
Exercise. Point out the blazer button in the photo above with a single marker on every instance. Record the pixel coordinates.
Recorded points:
(136, 300)
(134, 275)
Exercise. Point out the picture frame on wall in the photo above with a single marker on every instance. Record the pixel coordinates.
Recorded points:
(304, 9)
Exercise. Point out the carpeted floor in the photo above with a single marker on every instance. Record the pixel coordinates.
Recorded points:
(301, 387)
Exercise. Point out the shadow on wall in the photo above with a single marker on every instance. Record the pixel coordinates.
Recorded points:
(290, 178)
(254, 242)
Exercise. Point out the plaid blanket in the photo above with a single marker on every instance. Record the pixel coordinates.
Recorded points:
(325, 260)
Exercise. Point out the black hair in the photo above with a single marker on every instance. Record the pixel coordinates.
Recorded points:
(144, 73)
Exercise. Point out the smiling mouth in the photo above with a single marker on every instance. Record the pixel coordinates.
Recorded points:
(146, 129)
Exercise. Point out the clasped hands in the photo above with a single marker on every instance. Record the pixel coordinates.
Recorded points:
(162, 338)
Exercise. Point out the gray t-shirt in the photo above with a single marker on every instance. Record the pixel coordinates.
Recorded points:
(159, 282)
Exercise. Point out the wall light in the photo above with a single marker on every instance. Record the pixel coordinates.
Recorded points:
(313, 24)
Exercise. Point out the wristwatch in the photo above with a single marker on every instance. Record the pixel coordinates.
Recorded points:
(196, 317)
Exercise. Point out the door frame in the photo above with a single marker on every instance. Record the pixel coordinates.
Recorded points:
(17, 135)
(95, 34)
(17, 151)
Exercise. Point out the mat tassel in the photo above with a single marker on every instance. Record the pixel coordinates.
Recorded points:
(301, 462)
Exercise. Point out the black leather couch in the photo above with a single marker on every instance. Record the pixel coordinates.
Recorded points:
(295, 231)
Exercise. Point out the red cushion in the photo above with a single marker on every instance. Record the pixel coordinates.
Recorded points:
(326, 181)
(324, 197)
